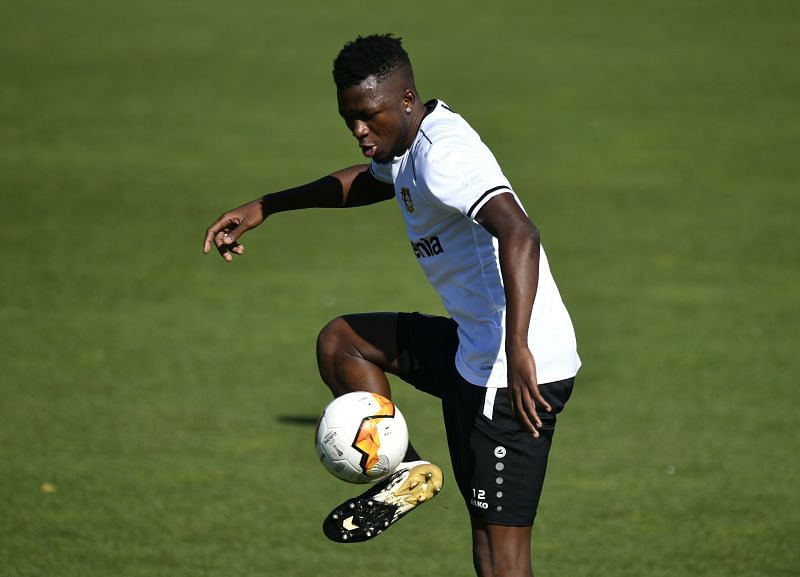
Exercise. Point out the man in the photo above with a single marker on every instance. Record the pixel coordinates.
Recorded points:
(509, 328)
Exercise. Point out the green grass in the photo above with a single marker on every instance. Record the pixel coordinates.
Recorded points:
(167, 395)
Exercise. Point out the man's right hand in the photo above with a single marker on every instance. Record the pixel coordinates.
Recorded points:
(352, 186)
(228, 228)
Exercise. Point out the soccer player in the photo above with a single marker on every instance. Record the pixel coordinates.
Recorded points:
(503, 364)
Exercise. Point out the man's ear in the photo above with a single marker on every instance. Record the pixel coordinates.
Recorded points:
(409, 98)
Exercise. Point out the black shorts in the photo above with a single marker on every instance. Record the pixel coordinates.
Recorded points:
(498, 465)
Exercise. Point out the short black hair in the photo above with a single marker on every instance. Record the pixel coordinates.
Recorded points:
(378, 55)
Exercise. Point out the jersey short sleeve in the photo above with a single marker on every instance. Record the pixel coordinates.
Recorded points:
(382, 171)
(463, 175)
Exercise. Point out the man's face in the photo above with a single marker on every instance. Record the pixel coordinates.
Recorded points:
(375, 114)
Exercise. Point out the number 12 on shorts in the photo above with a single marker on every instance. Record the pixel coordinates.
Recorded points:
(478, 496)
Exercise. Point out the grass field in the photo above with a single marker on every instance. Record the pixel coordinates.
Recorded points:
(157, 406)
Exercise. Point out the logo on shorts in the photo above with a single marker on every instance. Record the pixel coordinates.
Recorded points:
(500, 452)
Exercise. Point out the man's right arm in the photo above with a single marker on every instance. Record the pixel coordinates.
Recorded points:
(353, 186)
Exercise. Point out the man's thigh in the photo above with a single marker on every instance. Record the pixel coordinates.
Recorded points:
(368, 336)
(418, 348)
(426, 352)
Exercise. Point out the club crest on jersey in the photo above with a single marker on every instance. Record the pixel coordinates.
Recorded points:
(406, 195)
(426, 247)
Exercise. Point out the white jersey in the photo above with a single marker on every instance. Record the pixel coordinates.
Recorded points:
(441, 183)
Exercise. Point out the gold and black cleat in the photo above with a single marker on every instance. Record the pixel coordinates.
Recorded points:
(385, 503)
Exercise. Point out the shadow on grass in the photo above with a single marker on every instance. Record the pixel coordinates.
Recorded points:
(300, 420)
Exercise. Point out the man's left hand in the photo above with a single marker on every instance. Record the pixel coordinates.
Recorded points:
(523, 389)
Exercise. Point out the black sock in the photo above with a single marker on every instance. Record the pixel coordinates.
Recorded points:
(411, 454)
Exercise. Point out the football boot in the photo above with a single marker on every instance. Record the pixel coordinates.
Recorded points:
(384, 503)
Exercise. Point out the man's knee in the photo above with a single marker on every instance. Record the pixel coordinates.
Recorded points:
(500, 551)
(355, 351)
(331, 341)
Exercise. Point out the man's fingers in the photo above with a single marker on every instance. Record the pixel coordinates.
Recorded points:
(225, 230)
(227, 251)
(536, 420)
(530, 408)
(210, 233)
(512, 401)
(521, 410)
(540, 400)
(226, 246)
(219, 226)
(242, 226)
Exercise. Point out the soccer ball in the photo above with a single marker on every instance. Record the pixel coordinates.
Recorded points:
(361, 437)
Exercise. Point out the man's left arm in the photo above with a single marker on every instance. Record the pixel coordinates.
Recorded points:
(518, 241)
